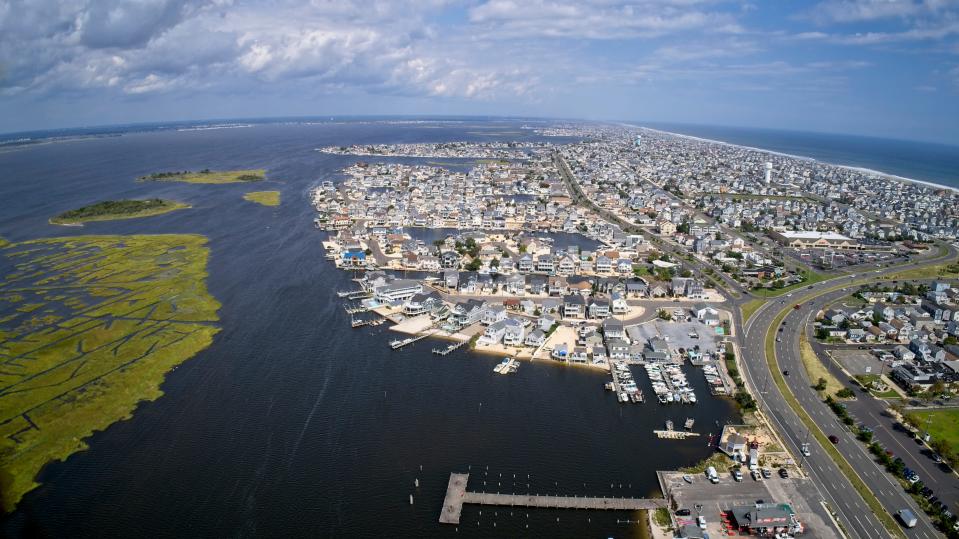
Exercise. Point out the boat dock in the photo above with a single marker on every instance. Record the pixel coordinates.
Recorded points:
(449, 349)
(396, 345)
(674, 434)
(457, 495)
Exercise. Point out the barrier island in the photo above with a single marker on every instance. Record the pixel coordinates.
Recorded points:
(110, 210)
(108, 317)
(266, 198)
(207, 176)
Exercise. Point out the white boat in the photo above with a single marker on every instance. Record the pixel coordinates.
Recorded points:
(688, 479)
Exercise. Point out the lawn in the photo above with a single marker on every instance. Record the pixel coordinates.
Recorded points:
(266, 198)
(812, 277)
(207, 176)
(750, 308)
(815, 368)
(941, 424)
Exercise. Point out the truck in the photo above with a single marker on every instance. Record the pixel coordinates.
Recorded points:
(712, 475)
(907, 518)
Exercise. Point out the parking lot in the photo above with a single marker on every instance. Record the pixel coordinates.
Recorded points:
(704, 498)
(677, 334)
(857, 361)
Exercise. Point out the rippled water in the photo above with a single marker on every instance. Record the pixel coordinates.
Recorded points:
(292, 423)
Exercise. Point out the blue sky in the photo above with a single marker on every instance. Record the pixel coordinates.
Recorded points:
(885, 68)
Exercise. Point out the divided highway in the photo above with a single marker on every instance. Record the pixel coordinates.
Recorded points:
(856, 517)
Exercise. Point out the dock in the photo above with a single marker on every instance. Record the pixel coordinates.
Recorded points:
(457, 495)
(396, 345)
(674, 434)
(449, 349)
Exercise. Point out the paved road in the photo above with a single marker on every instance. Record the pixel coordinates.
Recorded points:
(855, 515)
(872, 412)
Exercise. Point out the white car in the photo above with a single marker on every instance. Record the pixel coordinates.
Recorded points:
(701, 520)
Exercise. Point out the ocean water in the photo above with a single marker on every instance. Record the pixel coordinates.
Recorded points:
(292, 424)
(924, 161)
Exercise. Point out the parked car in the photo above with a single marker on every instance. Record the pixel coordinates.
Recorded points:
(701, 520)
(766, 473)
(683, 512)
(737, 475)
(784, 473)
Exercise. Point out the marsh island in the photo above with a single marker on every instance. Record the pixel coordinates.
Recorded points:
(110, 210)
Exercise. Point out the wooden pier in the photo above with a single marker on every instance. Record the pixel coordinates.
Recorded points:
(396, 345)
(449, 349)
(674, 434)
(457, 495)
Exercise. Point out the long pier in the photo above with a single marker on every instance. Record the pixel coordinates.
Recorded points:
(457, 495)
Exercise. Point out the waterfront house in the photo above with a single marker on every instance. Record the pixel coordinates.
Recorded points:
(468, 313)
(396, 291)
(535, 338)
(560, 351)
(514, 333)
(579, 355)
(355, 257)
(493, 333)
(422, 303)
(618, 348)
(599, 353)
(604, 264)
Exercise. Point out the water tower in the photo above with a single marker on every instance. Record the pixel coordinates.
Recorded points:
(769, 172)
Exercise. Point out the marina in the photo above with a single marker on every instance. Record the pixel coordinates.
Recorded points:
(670, 384)
(623, 384)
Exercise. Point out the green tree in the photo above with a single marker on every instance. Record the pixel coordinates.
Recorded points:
(820, 385)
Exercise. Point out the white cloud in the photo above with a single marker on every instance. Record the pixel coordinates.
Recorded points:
(596, 19)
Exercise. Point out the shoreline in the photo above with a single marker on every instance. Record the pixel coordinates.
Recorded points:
(864, 170)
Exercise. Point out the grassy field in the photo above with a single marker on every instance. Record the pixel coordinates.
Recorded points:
(111, 210)
(207, 176)
(866, 380)
(930, 272)
(812, 277)
(815, 368)
(942, 424)
(266, 198)
(114, 314)
(750, 307)
(877, 508)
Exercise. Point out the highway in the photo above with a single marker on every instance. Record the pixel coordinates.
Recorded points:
(856, 517)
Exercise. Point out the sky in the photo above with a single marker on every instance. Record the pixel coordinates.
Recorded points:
(886, 68)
